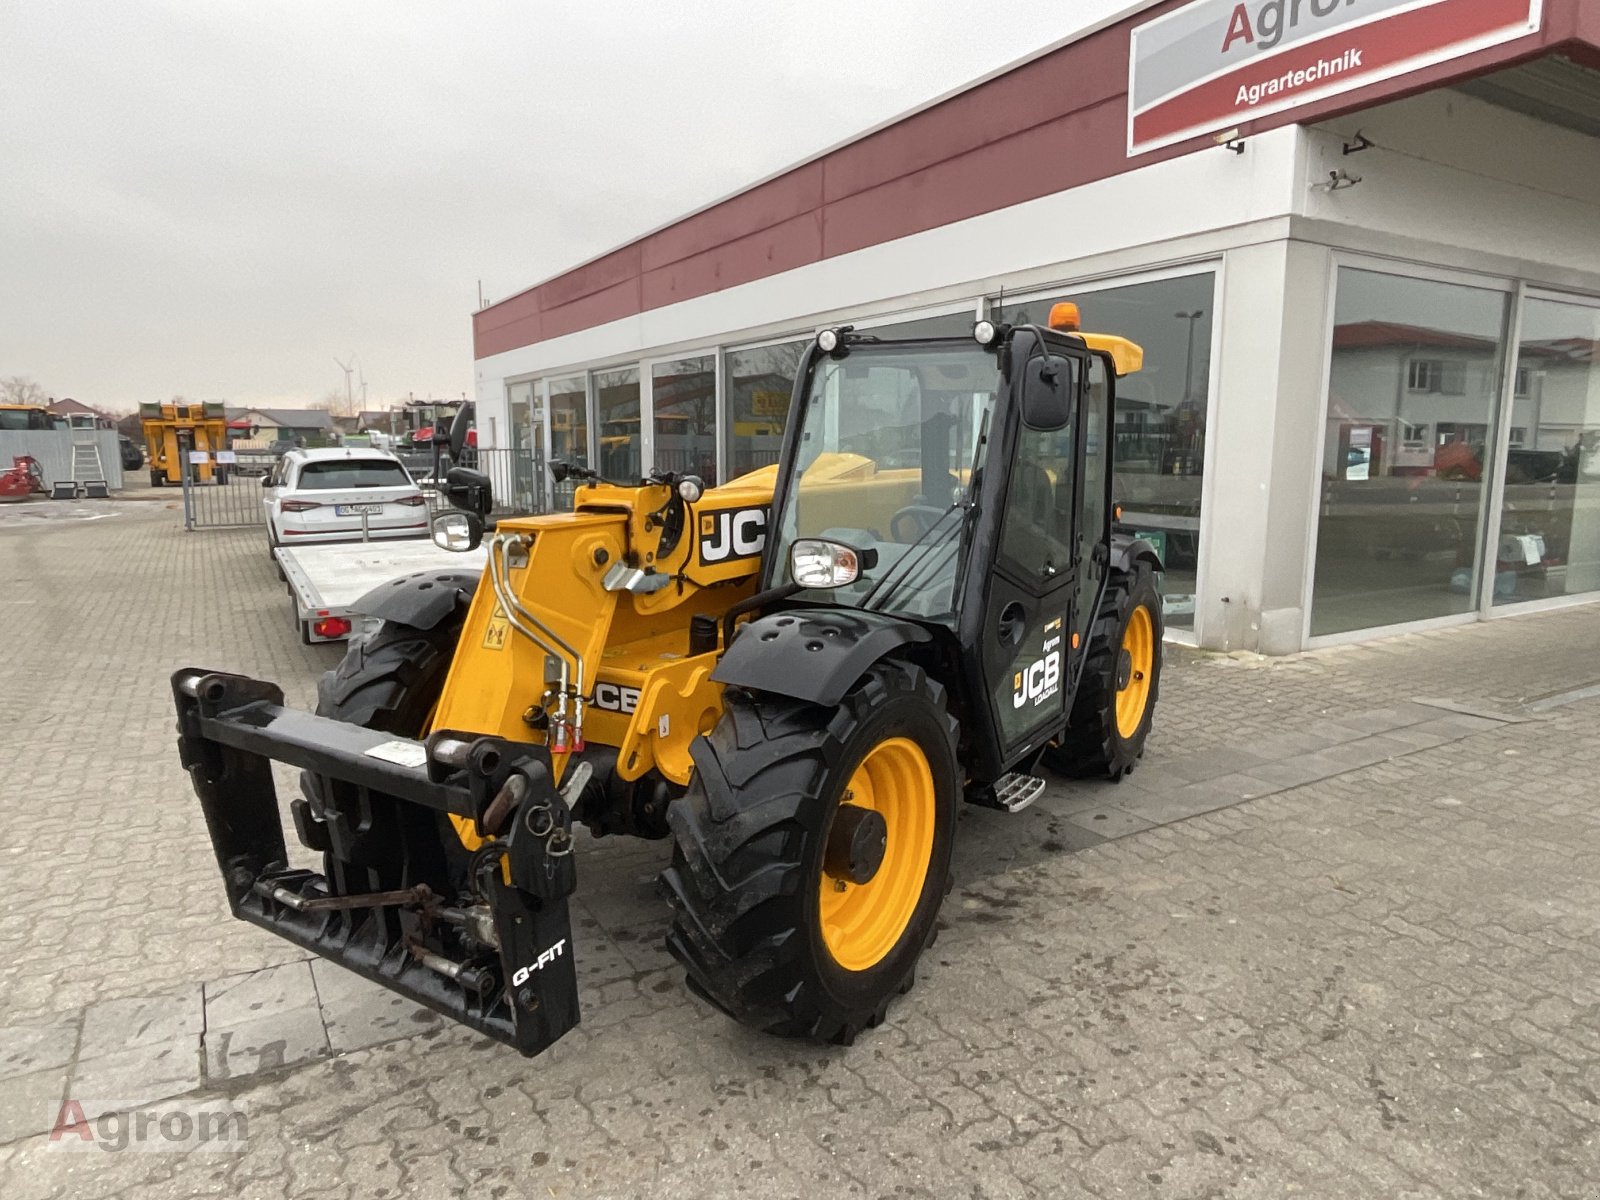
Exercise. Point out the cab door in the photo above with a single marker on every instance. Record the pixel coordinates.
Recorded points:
(1030, 610)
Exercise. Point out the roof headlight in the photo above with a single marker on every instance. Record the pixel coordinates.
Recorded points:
(828, 341)
(983, 332)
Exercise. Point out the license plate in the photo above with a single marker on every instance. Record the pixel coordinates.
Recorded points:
(355, 510)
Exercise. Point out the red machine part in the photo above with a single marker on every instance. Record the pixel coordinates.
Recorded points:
(22, 479)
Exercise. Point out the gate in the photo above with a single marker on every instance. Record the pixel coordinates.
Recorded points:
(218, 493)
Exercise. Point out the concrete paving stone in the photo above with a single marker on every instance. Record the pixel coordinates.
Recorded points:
(1296, 771)
(113, 1025)
(1107, 821)
(234, 999)
(1208, 764)
(136, 1077)
(262, 1021)
(25, 1049)
(31, 1104)
(1179, 804)
(1275, 747)
(1425, 736)
(1363, 752)
(358, 1012)
(258, 1045)
(1480, 711)
(1243, 786)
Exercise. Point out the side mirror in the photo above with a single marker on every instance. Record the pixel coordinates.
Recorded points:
(560, 468)
(469, 490)
(1048, 387)
(266, 480)
(457, 531)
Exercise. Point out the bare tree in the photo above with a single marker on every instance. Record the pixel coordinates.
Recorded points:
(19, 389)
(336, 402)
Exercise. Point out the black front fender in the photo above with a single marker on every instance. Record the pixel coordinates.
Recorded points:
(814, 655)
(421, 600)
(1127, 552)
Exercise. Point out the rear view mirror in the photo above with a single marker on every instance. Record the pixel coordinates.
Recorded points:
(458, 531)
(1048, 387)
(469, 490)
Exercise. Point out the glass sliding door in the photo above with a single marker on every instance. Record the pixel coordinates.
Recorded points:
(759, 381)
(1549, 537)
(1414, 379)
(1160, 424)
(514, 468)
(683, 405)
(616, 403)
(569, 429)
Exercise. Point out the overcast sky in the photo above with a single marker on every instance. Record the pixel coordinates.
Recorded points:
(217, 199)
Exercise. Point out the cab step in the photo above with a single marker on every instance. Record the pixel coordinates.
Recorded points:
(1011, 793)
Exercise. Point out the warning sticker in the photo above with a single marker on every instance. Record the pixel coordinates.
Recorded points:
(494, 637)
(403, 754)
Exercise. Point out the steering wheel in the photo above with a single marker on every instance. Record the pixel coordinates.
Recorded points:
(925, 515)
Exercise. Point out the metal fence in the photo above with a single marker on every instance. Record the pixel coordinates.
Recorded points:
(220, 496)
(53, 450)
(232, 496)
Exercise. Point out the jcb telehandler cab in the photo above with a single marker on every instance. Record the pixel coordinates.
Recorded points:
(797, 677)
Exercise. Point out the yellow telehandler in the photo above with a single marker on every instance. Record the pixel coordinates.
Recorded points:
(796, 677)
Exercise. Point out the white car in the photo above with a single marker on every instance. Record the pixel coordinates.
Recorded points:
(335, 495)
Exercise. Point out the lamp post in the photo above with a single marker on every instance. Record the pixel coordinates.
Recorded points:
(1188, 362)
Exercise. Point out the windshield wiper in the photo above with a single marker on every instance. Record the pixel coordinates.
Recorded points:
(908, 561)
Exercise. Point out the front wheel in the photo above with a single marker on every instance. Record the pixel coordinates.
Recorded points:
(812, 853)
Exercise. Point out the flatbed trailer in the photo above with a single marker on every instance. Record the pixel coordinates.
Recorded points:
(325, 581)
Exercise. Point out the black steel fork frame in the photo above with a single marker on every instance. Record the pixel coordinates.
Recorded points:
(389, 903)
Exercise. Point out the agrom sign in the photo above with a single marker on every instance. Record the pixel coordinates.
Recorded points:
(1207, 66)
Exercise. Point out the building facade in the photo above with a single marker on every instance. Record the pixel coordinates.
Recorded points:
(1363, 261)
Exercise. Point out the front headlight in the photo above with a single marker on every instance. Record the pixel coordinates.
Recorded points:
(815, 563)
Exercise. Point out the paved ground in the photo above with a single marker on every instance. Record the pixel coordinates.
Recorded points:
(1377, 975)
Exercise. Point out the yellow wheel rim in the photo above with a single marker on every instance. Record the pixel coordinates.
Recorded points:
(862, 922)
(1139, 644)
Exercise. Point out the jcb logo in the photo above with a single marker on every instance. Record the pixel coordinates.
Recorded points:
(736, 533)
(522, 975)
(1040, 681)
(614, 697)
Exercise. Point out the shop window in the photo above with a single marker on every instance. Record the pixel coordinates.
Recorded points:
(683, 396)
(1159, 429)
(616, 403)
(1398, 531)
(569, 429)
(759, 382)
(1549, 537)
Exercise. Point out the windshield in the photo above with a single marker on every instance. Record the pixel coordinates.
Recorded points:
(889, 455)
(338, 474)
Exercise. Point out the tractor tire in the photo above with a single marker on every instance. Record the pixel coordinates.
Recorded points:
(765, 921)
(391, 680)
(1116, 697)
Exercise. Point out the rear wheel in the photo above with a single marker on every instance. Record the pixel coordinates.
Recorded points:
(1116, 699)
(812, 853)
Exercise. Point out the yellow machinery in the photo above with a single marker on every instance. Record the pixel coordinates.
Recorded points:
(796, 676)
(172, 432)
